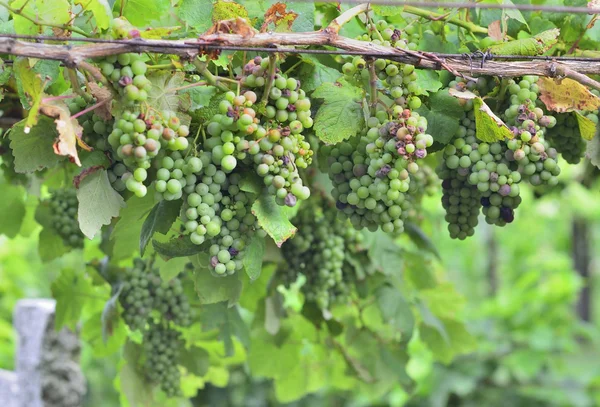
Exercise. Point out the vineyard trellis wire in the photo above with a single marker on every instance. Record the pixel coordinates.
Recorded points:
(458, 64)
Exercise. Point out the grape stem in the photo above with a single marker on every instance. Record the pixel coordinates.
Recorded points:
(76, 86)
(191, 85)
(373, 86)
(202, 68)
(430, 15)
(63, 97)
(92, 107)
(270, 78)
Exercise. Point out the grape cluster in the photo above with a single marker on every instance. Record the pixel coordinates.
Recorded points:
(320, 251)
(144, 291)
(127, 73)
(96, 131)
(63, 211)
(371, 173)
(137, 139)
(218, 212)
(162, 346)
(144, 295)
(404, 36)
(536, 159)
(566, 138)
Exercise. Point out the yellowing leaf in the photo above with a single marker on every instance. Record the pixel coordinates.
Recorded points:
(32, 87)
(490, 128)
(282, 19)
(587, 128)
(69, 130)
(566, 95)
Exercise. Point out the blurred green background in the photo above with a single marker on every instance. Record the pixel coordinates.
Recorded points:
(537, 334)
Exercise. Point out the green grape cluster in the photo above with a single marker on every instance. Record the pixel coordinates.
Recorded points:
(63, 206)
(115, 175)
(371, 173)
(536, 159)
(137, 139)
(320, 251)
(143, 291)
(176, 174)
(403, 35)
(162, 346)
(127, 73)
(217, 211)
(96, 131)
(566, 138)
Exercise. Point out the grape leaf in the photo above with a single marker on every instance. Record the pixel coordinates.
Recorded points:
(536, 45)
(587, 128)
(592, 151)
(100, 9)
(171, 268)
(566, 95)
(395, 310)
(385, 254)
(94, 330)
(51, 245)
(254, 257)
(195, 360)
(459, 340)
(200, 96)
(30, 87)
(251, 182)
(443, 118)
(387, 11)
(428, 81)
(195, 14)
(33, 151)
(163, 96)
(160, 219)
(98, 202)
(340, 116)
(227, 10)
(211, 289)
(306, 15)
(177, 247)
(49, 11)
(141, 13)
(69, 130)
(12, 207)
(490, 128)
(313, 73)
(126, 233)
(71, 290)
(229, 323)
(422, 241)
(274, 219)
(132, 385)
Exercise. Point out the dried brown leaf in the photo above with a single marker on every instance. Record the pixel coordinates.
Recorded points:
(566, 95)
(277, 15)
(238, 25)
(495, 31)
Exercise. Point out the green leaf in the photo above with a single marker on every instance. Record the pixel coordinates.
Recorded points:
(536, 45)
(229, 323)
(180, 246)
(306, 16)
(459, 340)
(211, 289)
(163, 96)
(419, 237)
(387, 11)
(127, 231)
(251, 182)
(395, 310)
(341, 114)
(195, 360)
(94, 330)
(132, 384)
(98, 203)
(253, 258)
(197, 15)
(442, 116)
(227, 9)
(51, 245)
(490, 128)
(274, 219)
(587, 128)
(142, 12)
(47, 11)
(29, 87)
(592, 151)
(71, 290)
(12, 208)
(313, 73)
(428, 81)
(200, 96)
(100, 9)
(160, 219)
(33, 151)
(443, 301)
(385, 254)
(171, 268)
